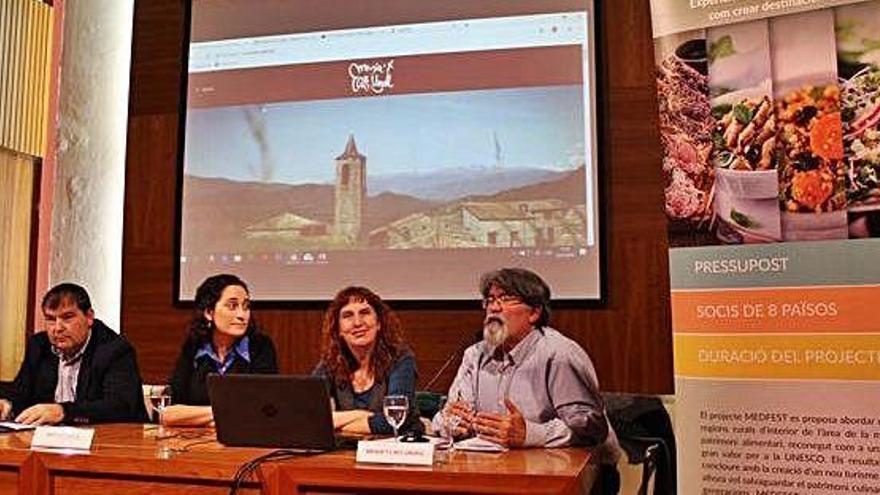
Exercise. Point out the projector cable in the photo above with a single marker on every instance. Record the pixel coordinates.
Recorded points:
(248, 468)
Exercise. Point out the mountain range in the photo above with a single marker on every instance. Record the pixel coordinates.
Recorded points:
(454, 183)
(218, 210)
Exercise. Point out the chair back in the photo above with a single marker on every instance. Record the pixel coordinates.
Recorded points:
(645, 433)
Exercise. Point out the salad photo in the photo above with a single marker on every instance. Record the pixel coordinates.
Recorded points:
(810, 153)
(858, 65)
(861, 128)
(744, 134)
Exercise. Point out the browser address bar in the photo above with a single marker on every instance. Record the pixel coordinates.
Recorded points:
(466, 35)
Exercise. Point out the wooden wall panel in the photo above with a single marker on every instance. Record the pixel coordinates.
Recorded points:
(134, 485)
(629, 339)
(8, 482)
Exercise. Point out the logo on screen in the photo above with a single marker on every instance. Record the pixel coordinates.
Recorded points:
(371, 78)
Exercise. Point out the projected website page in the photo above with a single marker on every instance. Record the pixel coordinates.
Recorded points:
(408, 157)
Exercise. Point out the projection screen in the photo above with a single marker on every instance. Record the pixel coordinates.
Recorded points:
(404, 145)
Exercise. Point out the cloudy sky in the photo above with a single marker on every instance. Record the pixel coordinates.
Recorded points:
(535, 127)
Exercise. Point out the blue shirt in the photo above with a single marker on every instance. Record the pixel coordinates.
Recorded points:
(401, 381)
(241, 349)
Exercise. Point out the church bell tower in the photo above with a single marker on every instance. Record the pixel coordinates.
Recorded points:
(351, 188)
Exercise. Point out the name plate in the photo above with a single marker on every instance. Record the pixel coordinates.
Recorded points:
(62, 437)
(390, 451)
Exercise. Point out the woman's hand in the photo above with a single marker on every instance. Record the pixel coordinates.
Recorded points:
(183, 415)
(352, 421)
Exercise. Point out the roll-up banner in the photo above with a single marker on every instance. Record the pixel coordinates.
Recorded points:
(770, 129)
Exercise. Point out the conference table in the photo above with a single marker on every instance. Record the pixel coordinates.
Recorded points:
(148, 459)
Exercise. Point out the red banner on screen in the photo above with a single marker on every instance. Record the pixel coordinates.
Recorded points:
(526, 67)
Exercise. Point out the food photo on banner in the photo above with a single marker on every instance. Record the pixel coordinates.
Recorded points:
(770, 128)
(769, 115)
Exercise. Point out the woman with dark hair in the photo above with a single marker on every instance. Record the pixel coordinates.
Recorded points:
(364, 359)
(222, 338)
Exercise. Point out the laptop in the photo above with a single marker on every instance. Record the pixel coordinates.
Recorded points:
(277, 411)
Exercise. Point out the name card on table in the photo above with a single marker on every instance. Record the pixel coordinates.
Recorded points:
(390, 451)
(62, 437)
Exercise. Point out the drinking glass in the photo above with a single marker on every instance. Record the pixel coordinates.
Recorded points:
(160, 398)
(396, 408)
(448, 423)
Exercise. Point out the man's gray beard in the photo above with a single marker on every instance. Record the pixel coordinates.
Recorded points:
(495, 331)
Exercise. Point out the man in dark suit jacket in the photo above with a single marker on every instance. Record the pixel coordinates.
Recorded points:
(76, 372)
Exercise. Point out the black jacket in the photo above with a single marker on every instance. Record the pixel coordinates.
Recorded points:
(189, 382)
(108, 387)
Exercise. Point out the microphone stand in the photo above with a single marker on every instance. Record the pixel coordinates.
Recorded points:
(478, 336)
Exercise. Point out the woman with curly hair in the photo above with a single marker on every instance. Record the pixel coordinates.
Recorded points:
(222, 338)
(363, 359)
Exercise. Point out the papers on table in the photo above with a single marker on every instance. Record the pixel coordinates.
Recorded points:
(477, 444)
(9, 426)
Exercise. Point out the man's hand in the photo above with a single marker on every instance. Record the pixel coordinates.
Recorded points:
(504, 429)
(465, 414)
(41, 414)
(5, 409)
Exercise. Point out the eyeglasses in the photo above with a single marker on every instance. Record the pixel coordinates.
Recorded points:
(505, 300)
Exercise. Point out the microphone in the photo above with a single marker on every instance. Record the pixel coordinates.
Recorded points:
(477, 336)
